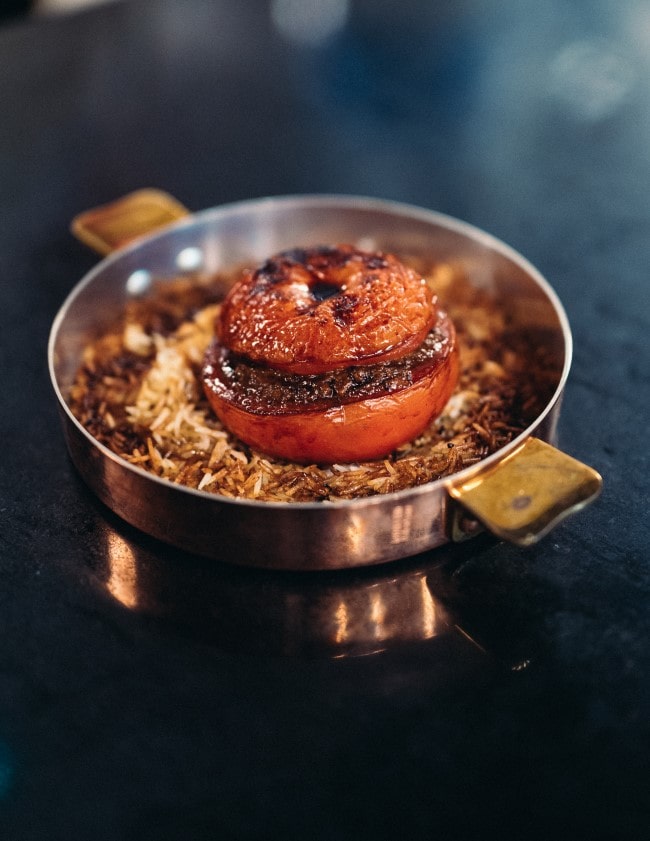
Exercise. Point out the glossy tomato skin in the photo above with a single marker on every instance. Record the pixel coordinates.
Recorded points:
(355, 432)
(309, 311)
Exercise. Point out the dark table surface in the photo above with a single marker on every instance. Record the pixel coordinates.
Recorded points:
(149, 694)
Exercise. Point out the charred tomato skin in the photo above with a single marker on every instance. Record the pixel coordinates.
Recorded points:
(313, 310)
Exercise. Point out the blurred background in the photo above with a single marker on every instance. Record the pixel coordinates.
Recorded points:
(16, 8)
(402, 100)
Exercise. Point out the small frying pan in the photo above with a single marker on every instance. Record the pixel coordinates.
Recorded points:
(519, 492)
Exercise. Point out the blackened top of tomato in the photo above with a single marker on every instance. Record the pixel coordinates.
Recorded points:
(318, 262)
(343, 309)
(259, 389)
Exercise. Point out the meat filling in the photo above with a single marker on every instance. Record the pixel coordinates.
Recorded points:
(259, 389)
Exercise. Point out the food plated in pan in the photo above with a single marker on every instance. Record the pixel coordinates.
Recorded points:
(156, 346)
(163, 392)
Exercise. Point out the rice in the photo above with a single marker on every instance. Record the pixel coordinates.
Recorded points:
(138, 392)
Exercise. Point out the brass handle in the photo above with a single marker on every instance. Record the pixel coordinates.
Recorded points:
(526, 494)
(111, 226)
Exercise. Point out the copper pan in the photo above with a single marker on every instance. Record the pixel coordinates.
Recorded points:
(519, 493)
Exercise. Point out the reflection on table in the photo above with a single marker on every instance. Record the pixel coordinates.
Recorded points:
(349, 613)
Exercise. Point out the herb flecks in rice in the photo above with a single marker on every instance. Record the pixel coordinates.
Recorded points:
(139, 393)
